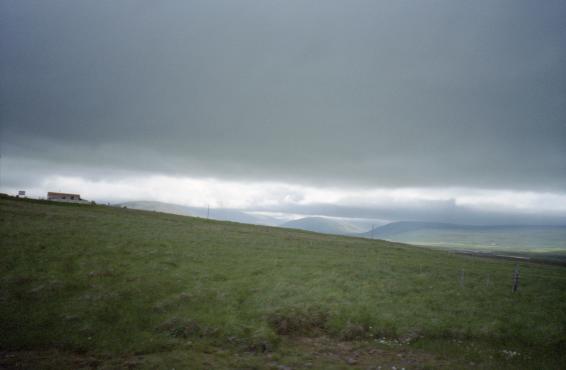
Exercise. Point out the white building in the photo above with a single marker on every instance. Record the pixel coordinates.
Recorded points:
(65, 197)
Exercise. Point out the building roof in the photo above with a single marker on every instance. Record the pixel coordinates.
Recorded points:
(66, 194)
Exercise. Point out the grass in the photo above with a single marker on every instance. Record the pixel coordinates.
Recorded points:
(102, 287)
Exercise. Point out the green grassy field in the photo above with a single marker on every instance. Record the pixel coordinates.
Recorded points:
(101, 287)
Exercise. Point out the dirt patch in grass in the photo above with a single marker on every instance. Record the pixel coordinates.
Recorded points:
(47, 359)
(294, 321)
(293, 353)
(322, 351)
(354, 331)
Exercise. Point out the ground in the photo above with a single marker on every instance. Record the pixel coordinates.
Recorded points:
(99, 287)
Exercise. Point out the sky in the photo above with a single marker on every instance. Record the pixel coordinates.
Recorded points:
(430, 110)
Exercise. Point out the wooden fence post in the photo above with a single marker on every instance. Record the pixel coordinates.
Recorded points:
(516, 278)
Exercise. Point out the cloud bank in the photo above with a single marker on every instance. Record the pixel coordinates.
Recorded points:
(356, 96)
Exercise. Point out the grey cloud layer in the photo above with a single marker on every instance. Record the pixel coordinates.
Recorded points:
(389, 93)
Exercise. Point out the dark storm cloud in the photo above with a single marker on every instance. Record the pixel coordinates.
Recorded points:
(388, 93)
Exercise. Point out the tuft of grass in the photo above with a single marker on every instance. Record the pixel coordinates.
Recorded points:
(298, 320)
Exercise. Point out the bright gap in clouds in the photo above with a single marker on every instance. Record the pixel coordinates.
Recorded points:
(274, 196)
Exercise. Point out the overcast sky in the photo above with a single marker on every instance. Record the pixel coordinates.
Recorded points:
(437, 110)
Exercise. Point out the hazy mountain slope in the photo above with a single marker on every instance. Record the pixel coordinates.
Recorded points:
(396, 228)
(510, 237)
(222, 214)
(323, 225)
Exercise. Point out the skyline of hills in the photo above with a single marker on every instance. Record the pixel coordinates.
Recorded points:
(222, 214)
(437, 234)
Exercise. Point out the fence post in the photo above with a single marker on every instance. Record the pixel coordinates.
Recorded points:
(461, 278)
(516, 278)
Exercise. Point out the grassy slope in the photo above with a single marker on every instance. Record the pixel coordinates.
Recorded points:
(99, 286)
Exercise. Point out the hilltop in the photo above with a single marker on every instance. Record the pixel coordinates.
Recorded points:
(222, 214)
(87, 286)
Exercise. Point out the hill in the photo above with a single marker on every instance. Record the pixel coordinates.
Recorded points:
(86, 286)
(323, 225)
(396, 228)
(221, 214)
(502, 238)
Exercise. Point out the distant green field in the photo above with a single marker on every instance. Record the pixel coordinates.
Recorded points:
(100, 287)
(539, 240)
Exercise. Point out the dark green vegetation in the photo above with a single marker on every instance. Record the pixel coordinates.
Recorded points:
(94, 286)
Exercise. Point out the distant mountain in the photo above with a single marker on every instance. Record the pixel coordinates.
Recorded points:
(324, 225)
(214, 213)
(511, 237)
(396, 228)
